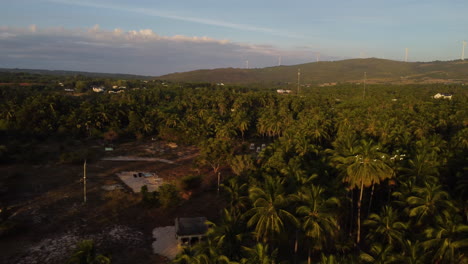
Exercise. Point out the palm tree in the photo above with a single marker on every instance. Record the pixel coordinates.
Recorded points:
(241, 164)
(378, 254)
(362, 166)
(237, 195)
(413, 253)
(259, 255)
(447, 239)
(269, 214)
(203, 253)
(429, 201)
(330, 259)
(386, 227)
(187, 256)
(318, 219)
(85, 253)
(228, 235)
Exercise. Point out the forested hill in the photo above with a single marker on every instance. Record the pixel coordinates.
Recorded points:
(377, 71)
(72, 73)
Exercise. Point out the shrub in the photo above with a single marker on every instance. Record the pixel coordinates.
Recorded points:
(150, 198)
(191, 182)
(169, 195)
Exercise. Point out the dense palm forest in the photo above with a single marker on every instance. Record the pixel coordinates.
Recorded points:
(347, 176)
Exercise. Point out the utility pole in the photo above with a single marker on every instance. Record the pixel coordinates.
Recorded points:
(298, 80)
(219, 181)
(84, 182)
(364, 92)
(463, 50)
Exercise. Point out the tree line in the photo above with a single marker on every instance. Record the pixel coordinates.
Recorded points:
(344, 178)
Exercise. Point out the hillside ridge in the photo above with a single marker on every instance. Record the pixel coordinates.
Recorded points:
(352, 70)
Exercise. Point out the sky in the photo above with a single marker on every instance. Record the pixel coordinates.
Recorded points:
(156, 37)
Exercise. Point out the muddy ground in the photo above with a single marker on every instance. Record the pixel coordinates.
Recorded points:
(44, 202)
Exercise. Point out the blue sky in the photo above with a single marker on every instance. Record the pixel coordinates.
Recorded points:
(158, 37)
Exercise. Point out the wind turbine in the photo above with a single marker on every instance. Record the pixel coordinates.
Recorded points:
(463, 50)
(406, 54)
(317, 56)
(279, 61)
(298, 80)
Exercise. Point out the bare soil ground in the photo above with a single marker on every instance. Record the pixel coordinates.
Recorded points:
(45, 202)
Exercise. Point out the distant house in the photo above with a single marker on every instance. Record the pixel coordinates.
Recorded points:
(443, 96)
(281, 91)
(190, 229)
(327, 84)
(98, 89)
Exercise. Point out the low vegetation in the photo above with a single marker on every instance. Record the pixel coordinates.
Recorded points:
(346, 174)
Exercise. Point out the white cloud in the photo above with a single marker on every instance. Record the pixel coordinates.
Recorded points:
(136, 51)
(173, 16)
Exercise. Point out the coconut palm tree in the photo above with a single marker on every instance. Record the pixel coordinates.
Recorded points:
(269, 214)
(429, 201)
(318, 219)
(259, 254)
(386, 227)
(85, 253)
(412, 253)
(228, 235)
(362, 166)
(237, 193)
(378, 254)
(447, 239)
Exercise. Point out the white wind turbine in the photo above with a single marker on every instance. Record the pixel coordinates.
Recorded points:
(463, 50)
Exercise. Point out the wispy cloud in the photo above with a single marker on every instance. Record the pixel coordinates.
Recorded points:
(135, 51)
(170, 15)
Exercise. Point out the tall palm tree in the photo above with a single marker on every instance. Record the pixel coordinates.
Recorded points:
(317, 216)
(269, 214)
(362, 166)
(386, 227)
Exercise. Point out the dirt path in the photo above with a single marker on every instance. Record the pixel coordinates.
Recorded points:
(133, 158)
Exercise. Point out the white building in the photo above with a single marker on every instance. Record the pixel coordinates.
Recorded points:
(98, 89)
(443, 96)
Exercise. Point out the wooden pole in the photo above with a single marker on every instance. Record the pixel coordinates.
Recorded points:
(84, 182)
(219, 180)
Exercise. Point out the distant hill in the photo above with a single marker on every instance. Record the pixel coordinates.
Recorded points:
(70, 73)
(377, 71)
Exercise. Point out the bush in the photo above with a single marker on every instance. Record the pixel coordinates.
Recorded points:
(150, 198)
(191, 182)
(169, 195)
